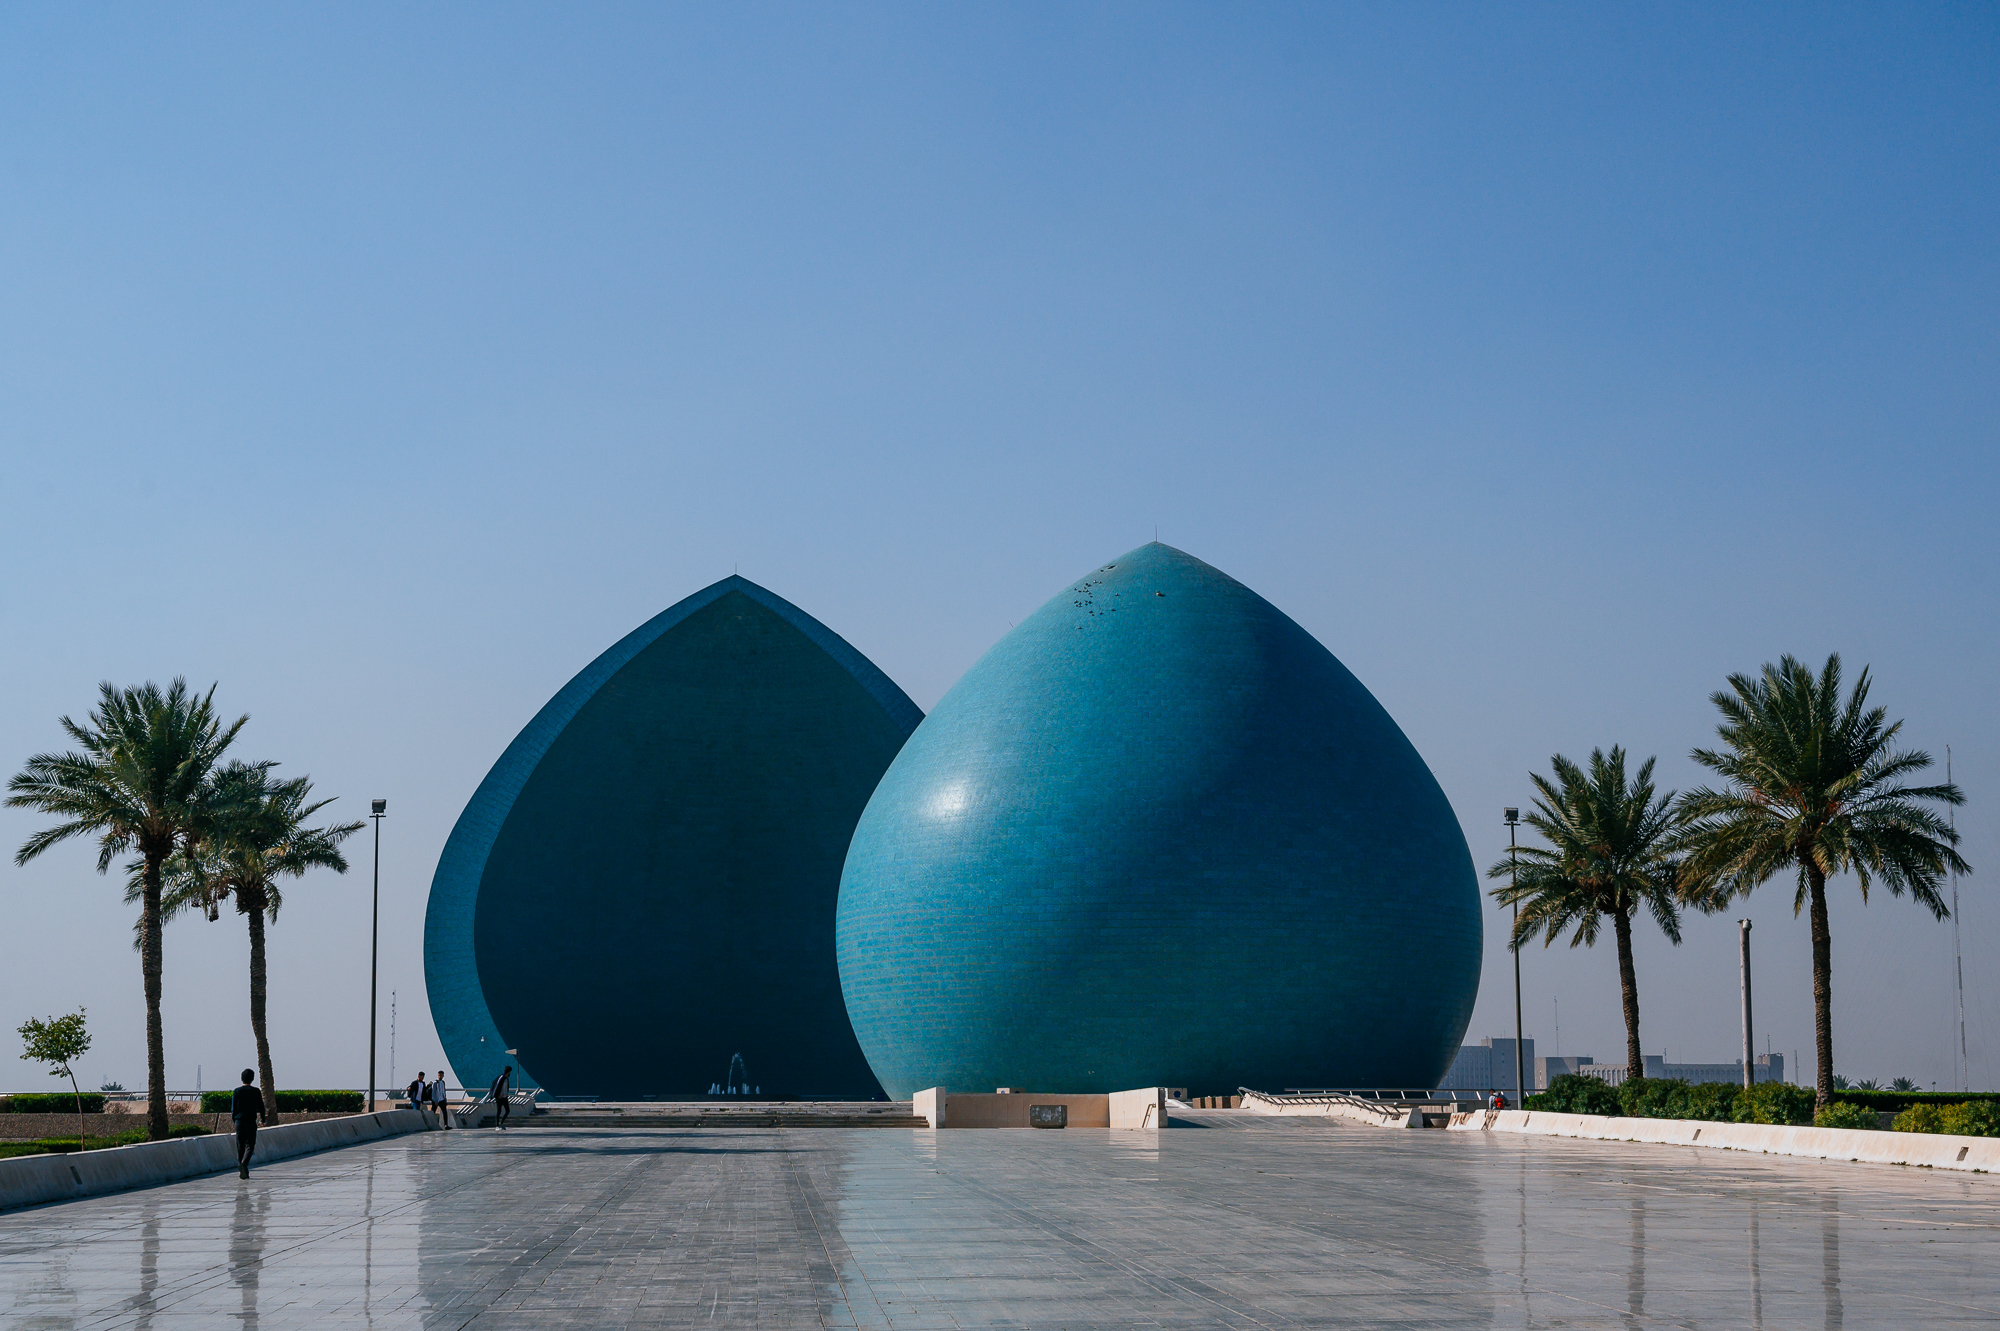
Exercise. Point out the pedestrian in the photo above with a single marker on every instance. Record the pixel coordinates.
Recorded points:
(414, 1092)
(441, 1100)
(246, 1106)
(502, 1108)
(1499, 1100)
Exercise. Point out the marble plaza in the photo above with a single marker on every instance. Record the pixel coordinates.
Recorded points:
(1226, 1221)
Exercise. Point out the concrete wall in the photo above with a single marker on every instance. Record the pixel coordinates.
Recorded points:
(1138, 1111)
(1133, 1111)
(37, 1179)
(1936, 1150)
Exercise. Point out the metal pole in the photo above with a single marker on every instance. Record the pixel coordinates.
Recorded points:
(1749, 1052)
(1957, 957)
(374, 947)
(1520, 1052)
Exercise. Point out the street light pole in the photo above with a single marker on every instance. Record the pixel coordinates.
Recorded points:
(1749, 1044)
(376, 809)
(1513, 881)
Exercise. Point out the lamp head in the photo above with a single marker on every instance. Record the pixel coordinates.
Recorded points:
(1513, 816)
(376, 808)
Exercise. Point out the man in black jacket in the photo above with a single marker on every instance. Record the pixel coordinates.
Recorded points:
(501, 1109)
(246, 1106)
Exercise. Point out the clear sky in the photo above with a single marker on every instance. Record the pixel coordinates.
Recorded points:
(386, 364)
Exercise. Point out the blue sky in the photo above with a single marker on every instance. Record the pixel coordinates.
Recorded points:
(1549, 364)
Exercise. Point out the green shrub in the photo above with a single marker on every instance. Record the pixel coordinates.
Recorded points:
(1713, 1101)
(1974, 1118)
(1574, 1093)
(44, 1103)
(1776, 1102)
(292, 1102)
(1840, 1115)
(1653, 1097)
(1920, 1118)
(1894, 1102)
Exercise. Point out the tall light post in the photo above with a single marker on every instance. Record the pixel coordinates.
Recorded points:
(1514, 943)
(375, 811)
(1749, 1044)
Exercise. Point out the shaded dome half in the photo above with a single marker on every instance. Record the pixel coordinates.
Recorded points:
(643, 886)
(1158, 835)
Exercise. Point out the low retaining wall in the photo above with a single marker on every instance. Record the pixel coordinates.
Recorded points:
(1142, 1110)
(34, 1180)
(1934, 1150)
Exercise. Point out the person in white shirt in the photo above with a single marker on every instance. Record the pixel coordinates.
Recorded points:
(441, 1101)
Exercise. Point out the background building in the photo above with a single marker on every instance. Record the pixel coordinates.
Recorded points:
(1489, 1066)
(1768, 1067)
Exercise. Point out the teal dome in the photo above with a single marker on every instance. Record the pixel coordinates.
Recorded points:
(642, 888)
(1158, 835)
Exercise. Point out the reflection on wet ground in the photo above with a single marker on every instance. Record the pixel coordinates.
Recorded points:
(1251, 1223)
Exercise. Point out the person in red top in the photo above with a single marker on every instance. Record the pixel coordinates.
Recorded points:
(1499, 1100)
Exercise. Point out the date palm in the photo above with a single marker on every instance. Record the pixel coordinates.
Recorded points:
(1609, 856)
(261, 837)
(139, 784)
(1814, 786)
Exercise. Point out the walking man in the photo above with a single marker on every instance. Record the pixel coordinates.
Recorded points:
(246, 1106)
(441, 1100)
(414, 1092)
(501, 1108)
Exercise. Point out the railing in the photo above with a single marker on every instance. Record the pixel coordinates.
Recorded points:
(1380, 1095)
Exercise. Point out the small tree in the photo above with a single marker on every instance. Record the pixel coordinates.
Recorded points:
(59, 1042)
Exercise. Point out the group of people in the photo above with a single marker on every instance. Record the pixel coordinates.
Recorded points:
(247, 1107)
(435, 1097)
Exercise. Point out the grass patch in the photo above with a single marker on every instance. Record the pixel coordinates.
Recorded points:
(67, 1145)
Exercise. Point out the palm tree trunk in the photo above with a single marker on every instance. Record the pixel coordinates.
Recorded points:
(257, 1012)
(1635, 1062)
(1822, 945)
(150, 963)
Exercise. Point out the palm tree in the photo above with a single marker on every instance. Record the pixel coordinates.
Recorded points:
(1814, 786)
(141, 784)
(261, 838)
(1609, 854)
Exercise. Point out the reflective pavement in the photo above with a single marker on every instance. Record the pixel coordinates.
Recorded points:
(1230, 1222)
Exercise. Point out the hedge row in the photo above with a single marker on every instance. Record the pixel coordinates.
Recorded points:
(1895, 1102)
(292, 1102)
(1968, 1118)
(1669, 1097)
(41, 1103)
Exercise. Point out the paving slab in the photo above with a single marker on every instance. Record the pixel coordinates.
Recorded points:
(1223, 1223)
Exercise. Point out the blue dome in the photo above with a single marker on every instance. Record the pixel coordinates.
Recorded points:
(1158, 835)
(643, 886)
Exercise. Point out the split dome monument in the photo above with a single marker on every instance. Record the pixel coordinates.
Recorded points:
(1157, 835)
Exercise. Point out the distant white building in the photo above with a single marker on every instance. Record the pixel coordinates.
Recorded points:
(1489, 1066)
(1768, 1067)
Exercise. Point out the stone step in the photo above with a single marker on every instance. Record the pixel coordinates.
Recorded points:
(715, 1119)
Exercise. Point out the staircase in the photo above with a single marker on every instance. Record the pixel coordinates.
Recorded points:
(702, 1114)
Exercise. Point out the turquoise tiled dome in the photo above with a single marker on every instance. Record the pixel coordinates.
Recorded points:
(1158, 835)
